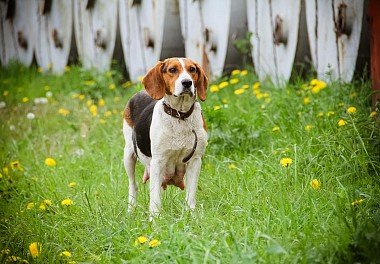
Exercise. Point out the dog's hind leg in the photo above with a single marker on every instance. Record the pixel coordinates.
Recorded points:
(129, 164)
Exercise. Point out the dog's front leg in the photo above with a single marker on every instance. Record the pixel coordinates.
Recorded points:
(156, 177)
(192, 175)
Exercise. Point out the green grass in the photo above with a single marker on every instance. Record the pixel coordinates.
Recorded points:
(249, 207)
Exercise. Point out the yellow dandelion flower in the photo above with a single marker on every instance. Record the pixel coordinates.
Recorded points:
(313, 82)
(223, 84)
(72, 184)
(25, 99)
(89, 83)
(235, 72)
(308, 127)
(217, 107)
(30, 206)
(112, 86)
(50, 162)
(351, 110)
(259, 95)
(63, 111)
(47, 202)
(256, 86)
(373, 114)
(315, 184)
(66, 254)
(154, 243)
(341, 104)
(306, 100)
(66, 68)
(107, 113)
(224, 101)
(42, 206)
(15, 165)
(315, 89)
(141, 240)
(109, 73)
(67, 202)
(214, 88)
(232, 166)
(357, 202)
(239, 91)
(6, 170)
(81, 97)
(40, 69)
(35, 249)
(116, 99)
(353, 95)
(94, 110)
(102, 121)
(245, 86)
(234, 81)
(243, 72)
(330, 113)
(342, 122)
(126, 84)
(276, 129)
(101, 102)
(285, 162)
(320, 114)
(89, 103)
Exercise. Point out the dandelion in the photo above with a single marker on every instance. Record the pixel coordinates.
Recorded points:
(223, 85)
(235, 72)
(49, 94)
(276, 129)
(154, 243)
(50, 162)
(109, 73)
(320, 114)
(357, 202)
(25, 99)
(330, 113)
(116, 99)
(107, 113)
(342, 122)
(2, 104)
(306, 100)
(35, 249)
(67, 202)
(30, 206)
(234, 81)
(112, 86)
(285, 162)
(72, 184)
(351, 110)
(81, 97)
(239, 91)
(101, 102)
(214, 88)
(318, 83)
(40, 69)
(94, 110)
(89, 103)
(224, 101)
(373, 114)
(47, 202)
(63, 111)
(141, 240)
(245, 86)
(30, 116)
(15, 165)
(341, 104)
(256, 86)
(315, 184)
(315, 89)
(5, 170)
(66, 254)
(66, 68)
(126, 84)
(232, 166)
(102, 121)
(217, 107)
(42, 207)
(89, 83)
(308, 127)
(243, 72)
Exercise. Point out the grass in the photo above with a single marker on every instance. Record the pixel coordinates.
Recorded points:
(249, 207)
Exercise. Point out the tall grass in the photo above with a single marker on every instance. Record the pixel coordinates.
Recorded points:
(250, 208)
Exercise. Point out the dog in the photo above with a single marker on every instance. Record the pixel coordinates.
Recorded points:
(164, 128)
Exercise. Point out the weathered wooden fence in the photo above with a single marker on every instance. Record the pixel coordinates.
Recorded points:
(328, 34)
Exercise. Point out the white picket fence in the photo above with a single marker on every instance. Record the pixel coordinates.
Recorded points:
(326, 33)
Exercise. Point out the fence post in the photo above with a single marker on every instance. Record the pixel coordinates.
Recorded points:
(374, 27)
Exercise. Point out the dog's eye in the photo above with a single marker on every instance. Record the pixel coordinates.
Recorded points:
(192, 69)
(172, 70)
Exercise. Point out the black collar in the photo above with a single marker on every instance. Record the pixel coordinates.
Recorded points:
(177, 114)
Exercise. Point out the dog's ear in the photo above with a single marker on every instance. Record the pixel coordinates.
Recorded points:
(154, 82)
(202, 83)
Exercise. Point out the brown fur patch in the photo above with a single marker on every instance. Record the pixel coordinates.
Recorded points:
(128, 116)
(204, 123)
(169, 76)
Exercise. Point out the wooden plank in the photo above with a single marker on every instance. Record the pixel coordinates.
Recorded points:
(374, 25)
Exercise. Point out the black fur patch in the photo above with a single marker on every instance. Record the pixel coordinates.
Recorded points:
(141, 106)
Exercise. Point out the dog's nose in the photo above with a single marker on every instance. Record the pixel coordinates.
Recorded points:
(187, 83)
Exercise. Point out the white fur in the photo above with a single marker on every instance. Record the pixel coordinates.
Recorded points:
(171, 141)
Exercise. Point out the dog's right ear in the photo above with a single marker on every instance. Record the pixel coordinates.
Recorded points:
(154, 81)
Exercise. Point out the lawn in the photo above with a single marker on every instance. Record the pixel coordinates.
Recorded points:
(290, 175)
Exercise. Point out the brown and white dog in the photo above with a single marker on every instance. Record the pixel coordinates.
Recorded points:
(163, 126)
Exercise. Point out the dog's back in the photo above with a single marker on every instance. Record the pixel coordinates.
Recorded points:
(138, 114)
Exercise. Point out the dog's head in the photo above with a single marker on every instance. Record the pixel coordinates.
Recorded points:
(177, 77)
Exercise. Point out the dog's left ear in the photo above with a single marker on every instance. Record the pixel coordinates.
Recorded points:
(202, 83)
(154, 81)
